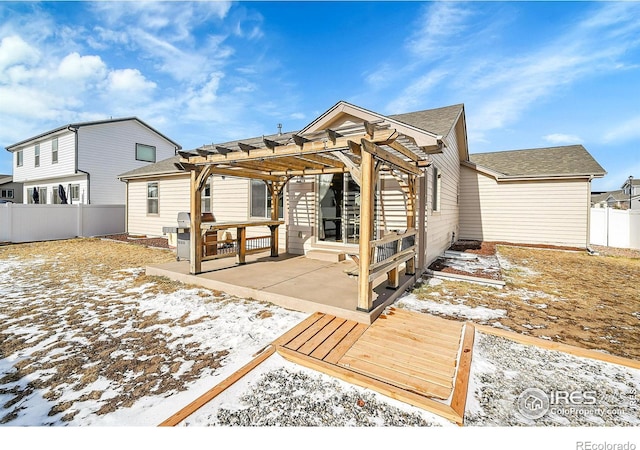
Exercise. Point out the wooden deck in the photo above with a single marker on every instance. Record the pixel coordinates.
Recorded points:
(419, 359)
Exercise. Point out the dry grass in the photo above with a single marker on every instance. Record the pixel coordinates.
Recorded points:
(70, 318)
(570, 297)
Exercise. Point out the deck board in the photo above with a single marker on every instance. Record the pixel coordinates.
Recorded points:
(403, 353)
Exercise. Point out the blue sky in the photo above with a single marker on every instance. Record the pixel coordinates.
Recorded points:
(531, 74)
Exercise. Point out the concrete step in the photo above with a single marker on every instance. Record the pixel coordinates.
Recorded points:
(326, 255)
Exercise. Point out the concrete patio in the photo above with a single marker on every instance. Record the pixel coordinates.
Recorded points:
(291, 281)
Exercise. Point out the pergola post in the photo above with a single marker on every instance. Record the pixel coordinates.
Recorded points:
(365, 287)
(195, 251)
(411, 218)
(274, 190)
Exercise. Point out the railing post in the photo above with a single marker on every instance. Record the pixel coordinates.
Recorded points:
(393, 276)
(274, 240)
(242, 245)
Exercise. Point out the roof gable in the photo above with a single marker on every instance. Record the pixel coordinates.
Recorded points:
(343, 111)
(571, 160)
(77, 125)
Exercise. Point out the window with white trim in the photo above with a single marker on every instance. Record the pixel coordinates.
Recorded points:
(6, 193)
(152, 197)
(36, 153)
(436, 188)
(43, 195)
(261, 201)
(206, 197)
(145, 153)
(75, 193)
(54, 151)
(19, 158)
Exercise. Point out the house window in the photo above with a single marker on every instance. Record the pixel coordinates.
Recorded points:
(37, 155)
(19, 158)
(56, 197)
(6, 193)
(206, 197)
(145, 153)
(30, 196)
(43, 195)
(152, 198)
(54, 151)
(261, 201)
(437, 186)
(75, 192)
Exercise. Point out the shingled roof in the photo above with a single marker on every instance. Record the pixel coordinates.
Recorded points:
(570, 160)
(164, 167)
(438, 120)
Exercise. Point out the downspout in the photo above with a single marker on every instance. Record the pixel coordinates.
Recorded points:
(75, 131)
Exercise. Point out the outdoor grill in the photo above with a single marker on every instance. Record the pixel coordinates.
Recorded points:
(183, 233)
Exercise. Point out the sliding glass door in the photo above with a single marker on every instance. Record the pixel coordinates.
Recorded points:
(338, 209)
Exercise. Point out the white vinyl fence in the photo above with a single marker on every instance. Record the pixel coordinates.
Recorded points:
(615, 228)
(28, 223)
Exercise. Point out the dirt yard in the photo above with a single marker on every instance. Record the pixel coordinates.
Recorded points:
(570, 297)
(84, 333)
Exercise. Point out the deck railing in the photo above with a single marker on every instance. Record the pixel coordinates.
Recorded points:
(390, 251)
(215, 249)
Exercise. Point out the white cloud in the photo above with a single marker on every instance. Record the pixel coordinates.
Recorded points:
(128, 81)
(440, 25)
(624, 132)
(76, 67)
(14, 50)
(413, 95)
(561, 138)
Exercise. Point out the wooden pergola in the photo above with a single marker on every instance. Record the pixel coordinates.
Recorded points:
(362, 150)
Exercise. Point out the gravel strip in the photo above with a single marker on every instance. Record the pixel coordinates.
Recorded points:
(502, 370)
(290, 398)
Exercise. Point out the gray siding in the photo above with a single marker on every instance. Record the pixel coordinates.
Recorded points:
(109, 149)
(47, 169)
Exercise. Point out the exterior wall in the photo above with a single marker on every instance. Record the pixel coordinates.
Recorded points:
(80, 180)
(531, 212)
(301, 215)
(229, 203)
(442, 225)
(109, 149)
(17, 191)
(47, 170)
(173, 197)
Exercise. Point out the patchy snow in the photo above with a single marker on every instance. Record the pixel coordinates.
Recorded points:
(508, 265)
(502, 370)
(411, 302)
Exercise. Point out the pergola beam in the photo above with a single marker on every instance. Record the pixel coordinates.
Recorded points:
(245, 173)
(384, 155)
(381, 137)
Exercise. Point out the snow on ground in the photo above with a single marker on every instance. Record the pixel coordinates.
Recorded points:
(480, 264)
(441, 307)
(579, 391)
(102, 352)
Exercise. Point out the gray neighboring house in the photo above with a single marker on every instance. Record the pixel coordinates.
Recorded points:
(533, 196)
(10, 191)
(619, 199)
(85, 158)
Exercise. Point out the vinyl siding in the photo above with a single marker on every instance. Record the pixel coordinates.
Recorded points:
(531, 212)
(173, 197)
(47, 170)
(109, 149)
(229, 201)
(301, 215)
(442, 225)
